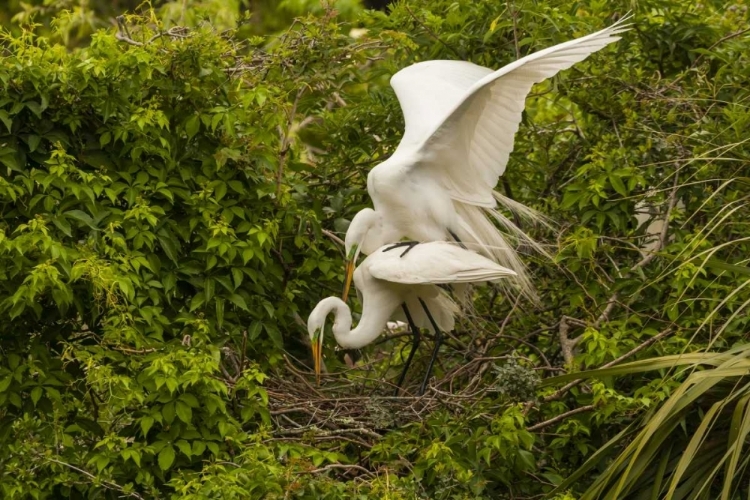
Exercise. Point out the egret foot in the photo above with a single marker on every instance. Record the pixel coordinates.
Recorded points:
(409, 244)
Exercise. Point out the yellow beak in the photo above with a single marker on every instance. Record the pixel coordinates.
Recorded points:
(348, 273)
(317, 358)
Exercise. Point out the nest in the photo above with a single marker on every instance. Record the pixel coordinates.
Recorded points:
(350, 406)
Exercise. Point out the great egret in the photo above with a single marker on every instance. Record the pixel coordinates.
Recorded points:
(460, 123)
(409, 278)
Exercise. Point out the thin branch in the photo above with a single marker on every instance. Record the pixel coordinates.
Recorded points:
(604, 317)
(560, 392)
(566, 343)
(339, 466)
(432, 33)
(123, 34)
(107, 484)
(563, 416)
(333, 237)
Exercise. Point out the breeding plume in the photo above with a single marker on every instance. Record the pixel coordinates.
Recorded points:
(390, 278)
(460, 123)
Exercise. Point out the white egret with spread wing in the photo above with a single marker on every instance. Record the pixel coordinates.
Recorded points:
(460, 124)
(390, 278)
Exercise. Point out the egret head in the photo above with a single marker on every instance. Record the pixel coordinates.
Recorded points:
(365, 220)
(315, 327)
(316, 323)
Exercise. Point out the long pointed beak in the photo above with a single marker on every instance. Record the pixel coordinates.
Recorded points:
(348, 272)
(317, 358)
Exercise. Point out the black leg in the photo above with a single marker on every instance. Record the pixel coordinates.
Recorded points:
(438, 340)
(408, 244)
(458, 240)
(416, 338)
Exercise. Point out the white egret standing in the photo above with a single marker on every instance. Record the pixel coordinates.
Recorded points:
(460, 123)
(409, 279)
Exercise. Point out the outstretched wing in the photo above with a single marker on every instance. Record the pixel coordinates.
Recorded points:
(469, 147)
(429, 90)
(433, 263)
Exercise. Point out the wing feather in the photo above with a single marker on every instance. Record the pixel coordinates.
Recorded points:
(468, 149)
(428, 90)
(437, 262)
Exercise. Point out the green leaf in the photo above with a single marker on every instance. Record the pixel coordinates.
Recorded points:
(62, 225)
(192, 126)
(197, 301)
(5, 118)
(237, 300)
(184, 447)
(190, 400)
(36, 394)
(81, 216)
(146, 423)
(184, 412)
(618, 185)
(168, 412)
(166, 457)
(33, 141)
(198, 448)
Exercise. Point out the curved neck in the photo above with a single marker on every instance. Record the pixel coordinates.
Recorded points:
(369, 328)
(364, 231)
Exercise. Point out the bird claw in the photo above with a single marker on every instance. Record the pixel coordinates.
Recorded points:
(409, 244)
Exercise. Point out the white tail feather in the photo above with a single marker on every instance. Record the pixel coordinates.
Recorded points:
(479, 233)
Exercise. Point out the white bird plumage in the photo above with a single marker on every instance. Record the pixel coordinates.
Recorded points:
(460, 123)
(386, 280)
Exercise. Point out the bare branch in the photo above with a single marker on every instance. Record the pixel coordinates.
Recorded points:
(339, 466)
(563, 416)
(107, 484)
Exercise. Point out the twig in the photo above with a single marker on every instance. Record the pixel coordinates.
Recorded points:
(285, 143)
(547, 423)
(432, 33)
(107, 484)
(339, 466)
(335, 238)
(514, 16)
(604, 317)
(123, 34)
(557, 394)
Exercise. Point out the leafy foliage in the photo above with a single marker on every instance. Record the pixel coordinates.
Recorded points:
(169, 200)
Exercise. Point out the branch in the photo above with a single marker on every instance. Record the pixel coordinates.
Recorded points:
(665, 228)
(566, 343)
(339, 466)
(432, 33)
(107, 484)
(547, 423)
(335, 238)
(123, 34)
(560, 392)
(604, 317)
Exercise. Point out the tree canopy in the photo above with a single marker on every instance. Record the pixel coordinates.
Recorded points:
(176, 180)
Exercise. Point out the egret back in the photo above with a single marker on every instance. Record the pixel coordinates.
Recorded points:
(432, 263)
